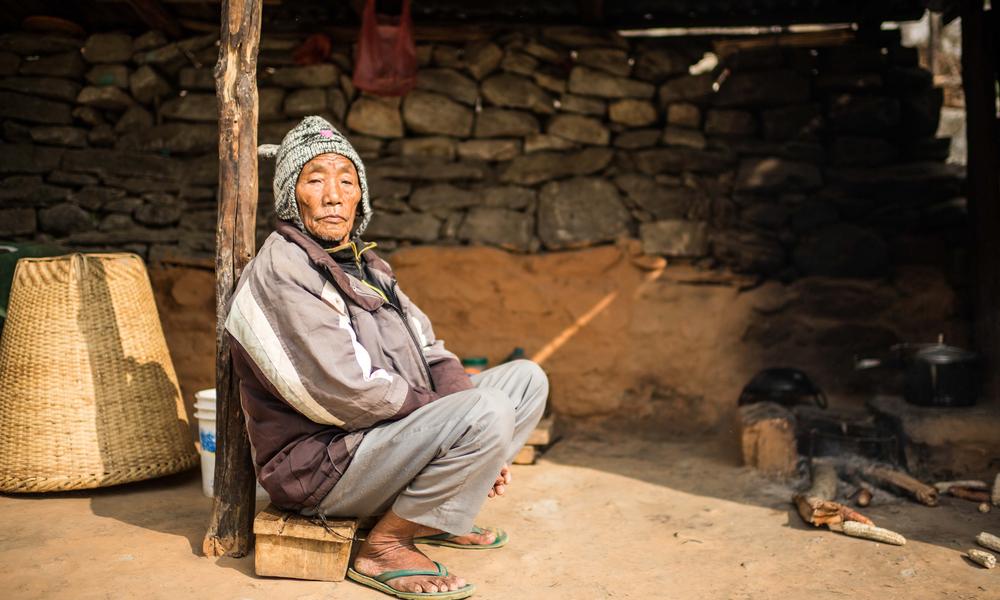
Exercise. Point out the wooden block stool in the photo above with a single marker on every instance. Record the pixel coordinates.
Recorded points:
(544, 435)
(290, 545)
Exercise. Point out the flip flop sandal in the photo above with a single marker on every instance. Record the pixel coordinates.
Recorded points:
(378, 582)
(445, 539)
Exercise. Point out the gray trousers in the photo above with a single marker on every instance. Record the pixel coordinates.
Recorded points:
(436, 466)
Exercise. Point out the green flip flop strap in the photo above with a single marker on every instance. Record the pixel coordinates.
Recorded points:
(389, 575)
(444, 537)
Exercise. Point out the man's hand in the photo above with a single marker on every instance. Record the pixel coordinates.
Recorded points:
(503, 480)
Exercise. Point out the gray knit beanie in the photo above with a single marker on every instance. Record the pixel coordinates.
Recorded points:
(307, 140)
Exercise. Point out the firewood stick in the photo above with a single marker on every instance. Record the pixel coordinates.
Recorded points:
(850, 515)
(972, 484)
(816, 505)
(867, 493)
(996, 491)
(824, 481)
(982, 558)
(870, 532)
(925, 494)
(988, 540)
(967, 494)
(823, 489)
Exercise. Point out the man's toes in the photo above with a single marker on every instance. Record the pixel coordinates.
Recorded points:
(417, 586)
(443, 584)
(457, 583)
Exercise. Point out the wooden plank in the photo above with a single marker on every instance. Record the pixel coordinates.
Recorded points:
(545, 432)
(767, 438)
(229, 531)
(526, 456)
(979, 78)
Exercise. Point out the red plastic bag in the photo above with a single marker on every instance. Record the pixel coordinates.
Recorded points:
(313, 51)
(386, 62)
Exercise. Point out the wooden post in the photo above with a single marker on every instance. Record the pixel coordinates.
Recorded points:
(979, 78)
(229, 530)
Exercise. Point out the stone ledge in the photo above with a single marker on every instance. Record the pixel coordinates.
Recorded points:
(944, 442)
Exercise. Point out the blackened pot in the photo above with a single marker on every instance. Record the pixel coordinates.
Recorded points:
(942, 376)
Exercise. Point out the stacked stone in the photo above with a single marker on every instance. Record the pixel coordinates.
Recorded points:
(96, 153)
(838, 159)
(783, 161)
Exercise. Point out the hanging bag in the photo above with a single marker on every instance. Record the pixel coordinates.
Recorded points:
(386, 61)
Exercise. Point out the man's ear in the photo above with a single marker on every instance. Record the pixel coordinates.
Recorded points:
(357, 219)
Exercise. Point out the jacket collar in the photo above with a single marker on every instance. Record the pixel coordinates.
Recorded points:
(322, 259)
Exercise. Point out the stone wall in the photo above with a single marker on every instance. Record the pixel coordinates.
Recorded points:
(781, 161)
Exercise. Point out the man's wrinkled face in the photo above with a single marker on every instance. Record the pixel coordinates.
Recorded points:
(328, 192)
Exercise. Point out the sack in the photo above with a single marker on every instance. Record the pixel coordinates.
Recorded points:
(386, 62)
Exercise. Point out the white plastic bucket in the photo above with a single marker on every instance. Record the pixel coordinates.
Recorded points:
(204, 412)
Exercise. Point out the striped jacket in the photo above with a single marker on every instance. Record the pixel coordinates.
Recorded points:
(321, 357)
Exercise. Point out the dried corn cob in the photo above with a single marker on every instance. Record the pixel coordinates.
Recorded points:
(869, 532)
(972, 484)
(988, 540)
(982, 558)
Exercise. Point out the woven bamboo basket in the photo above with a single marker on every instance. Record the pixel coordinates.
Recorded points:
(88, 395)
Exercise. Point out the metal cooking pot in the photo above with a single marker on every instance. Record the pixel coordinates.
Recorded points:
(782, 385)
(934, 374)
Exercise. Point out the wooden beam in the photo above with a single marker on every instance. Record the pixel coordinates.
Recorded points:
(427, 33)
(979, 79)
(724, 47)
(229, 530)
(156, 16)
(591, 11)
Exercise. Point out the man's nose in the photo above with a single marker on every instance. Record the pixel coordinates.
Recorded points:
(331, 193)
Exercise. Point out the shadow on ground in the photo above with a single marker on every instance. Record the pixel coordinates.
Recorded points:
(710, 466)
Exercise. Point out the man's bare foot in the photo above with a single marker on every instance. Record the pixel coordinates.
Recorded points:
(485, 538)
(389, 547)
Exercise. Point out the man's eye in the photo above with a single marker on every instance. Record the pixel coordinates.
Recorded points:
(348, 182)
(315, 181)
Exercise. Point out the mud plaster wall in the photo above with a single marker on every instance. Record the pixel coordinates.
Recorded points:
(620, 334)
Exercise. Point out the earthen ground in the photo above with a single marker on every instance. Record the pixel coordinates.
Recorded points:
(602, 515)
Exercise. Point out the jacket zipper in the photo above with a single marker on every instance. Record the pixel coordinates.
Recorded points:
(398, 309)
(416, 344)
(402, 318)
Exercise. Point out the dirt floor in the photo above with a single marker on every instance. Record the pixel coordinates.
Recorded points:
(601, 516)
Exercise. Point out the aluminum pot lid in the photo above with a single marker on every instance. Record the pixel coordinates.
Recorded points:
(940, 354)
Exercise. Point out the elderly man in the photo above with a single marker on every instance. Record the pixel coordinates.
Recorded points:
(354, 408)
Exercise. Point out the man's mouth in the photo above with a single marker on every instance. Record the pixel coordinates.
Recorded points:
(332, 219)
